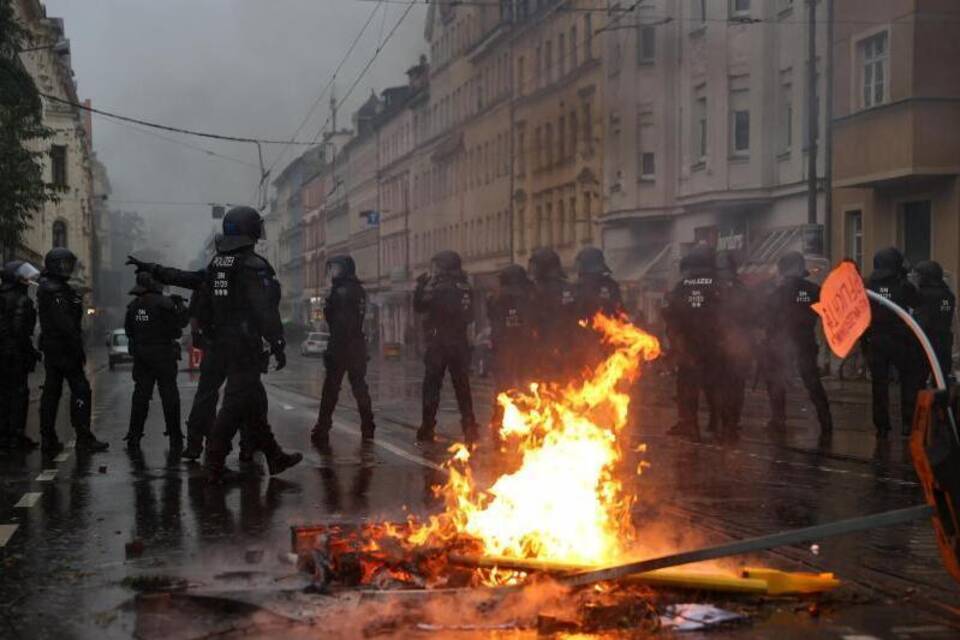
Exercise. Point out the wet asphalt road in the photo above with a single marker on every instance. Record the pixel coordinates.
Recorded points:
(66, 523)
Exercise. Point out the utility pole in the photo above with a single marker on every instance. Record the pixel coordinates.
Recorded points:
(812, 112)
(828, 138)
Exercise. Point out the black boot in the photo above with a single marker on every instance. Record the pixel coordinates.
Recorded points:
(22, 442)
(367, 431)
(194, 449)
(320, 437)
(471, 433)
(176, 441)
(216, 470)
(279, 461)
(86, 441)
(133, 442)
(50, 443)
(246, 454)
(426, 434)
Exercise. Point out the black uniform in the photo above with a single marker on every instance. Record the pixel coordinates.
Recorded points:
(60, 309)
(736, 325)
(595, 293)
(512, 335)
(446, 302)
(790, 336)
(890, 342)
(240, 305)
(935, 312)
(154, 323)
(346, 354)
(18, 358)
(557, 314)
(691, 314)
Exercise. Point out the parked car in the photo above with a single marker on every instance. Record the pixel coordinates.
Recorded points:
(315, 344)
(118, 348)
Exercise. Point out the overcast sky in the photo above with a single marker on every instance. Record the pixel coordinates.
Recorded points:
(236, 67)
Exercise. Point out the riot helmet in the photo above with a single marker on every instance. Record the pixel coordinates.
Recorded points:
(590, 261)
(702, 258)
(340, 267)
(513, 275)
(19, 272)
(792, 265)
(60, 262)
(545, 264)
(888, 262)
(146, 283)
(446, 263)
(929, 272)
(242, 227)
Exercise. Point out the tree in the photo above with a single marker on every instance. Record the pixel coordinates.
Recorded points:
(23, 191)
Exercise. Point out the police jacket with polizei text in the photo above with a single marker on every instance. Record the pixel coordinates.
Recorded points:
(693, 308)
(598, 293)
(896, 288)
(788, 310)
(60, 310)
(556, 312)
(241, 299)
(511, 318)
(154, 319)
(936, 308)
(18, 319)
(446, 302)
(344, 309)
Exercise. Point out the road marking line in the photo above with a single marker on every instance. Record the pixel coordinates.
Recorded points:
(63, 457)
(28, 500)
(6, 532)
(341, 426)
(287, 407)
(47, 475)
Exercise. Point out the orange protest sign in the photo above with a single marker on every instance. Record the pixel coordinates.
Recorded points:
(844, 308)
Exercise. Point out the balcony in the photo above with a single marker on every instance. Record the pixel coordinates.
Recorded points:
(896, 143)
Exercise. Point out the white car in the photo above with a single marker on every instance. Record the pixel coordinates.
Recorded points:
(315, 344)
(118, 348)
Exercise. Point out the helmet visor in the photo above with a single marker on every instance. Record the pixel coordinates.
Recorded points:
(26, 273)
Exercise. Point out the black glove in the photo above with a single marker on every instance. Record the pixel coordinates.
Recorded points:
(140, 265)
(277, 351)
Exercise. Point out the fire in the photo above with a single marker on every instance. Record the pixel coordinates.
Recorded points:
(564, 502)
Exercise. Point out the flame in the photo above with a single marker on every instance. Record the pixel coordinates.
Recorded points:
(564, 502)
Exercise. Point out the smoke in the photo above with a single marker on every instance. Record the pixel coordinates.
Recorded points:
(238, 67)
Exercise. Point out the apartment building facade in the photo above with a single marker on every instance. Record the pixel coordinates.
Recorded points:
(896, 131)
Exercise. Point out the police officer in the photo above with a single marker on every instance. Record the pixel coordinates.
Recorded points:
(18, 358)
(935, 311)
(691, 314)
(511, 335)
(736, 326)
(346, 354)
(890, 343)
(61, 341)
(240, 305)
(556, 316)
(596, 292)
(153, 325)
(445, 299)
(790, 338)
(213, 370)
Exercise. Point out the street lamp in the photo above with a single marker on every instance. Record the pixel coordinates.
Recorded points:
(60, 47)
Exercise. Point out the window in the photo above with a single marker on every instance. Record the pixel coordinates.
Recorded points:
(521, 230)
(588, 37)
(548, 61)
(698, 10)
(548, 226)
(561, 139)
(915, 231)
(739, 7)
(521, 154)
(740, 127)
(537, 149)
(854, 229)
(561, 222)
(539, 78)
(572, 220)
(573, 48)
(786, 117)
(58, 165)
(520, 76)
(587, 127)
(548, 142)
(700, 129)
(873, 52)
(59, 234)
(646, 44)
(538, 227)
(574, 134)
(648, 167)
(562, 54)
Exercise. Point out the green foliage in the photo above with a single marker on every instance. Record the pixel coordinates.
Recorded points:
(23, 190)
